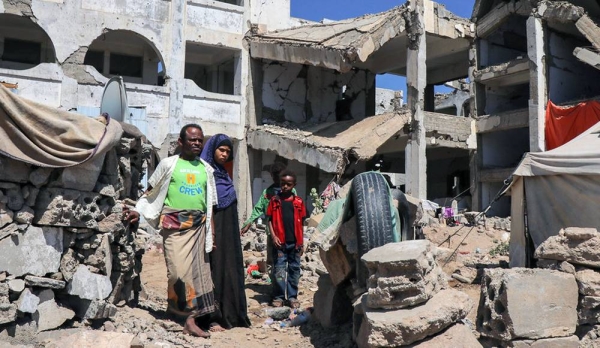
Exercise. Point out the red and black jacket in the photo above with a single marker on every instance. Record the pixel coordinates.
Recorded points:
(274, 211)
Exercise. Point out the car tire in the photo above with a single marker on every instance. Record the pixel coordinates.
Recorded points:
(371, 203)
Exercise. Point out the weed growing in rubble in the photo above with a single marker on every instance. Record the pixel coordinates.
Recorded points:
(317, 201)
(501, 249)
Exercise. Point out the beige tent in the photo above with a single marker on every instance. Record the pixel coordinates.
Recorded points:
(553, 190)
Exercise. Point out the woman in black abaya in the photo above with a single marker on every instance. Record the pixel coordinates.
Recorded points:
(226, 261)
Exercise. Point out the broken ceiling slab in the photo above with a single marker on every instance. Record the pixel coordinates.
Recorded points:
(510, 73)
(350, 43)
(590, 30)
(587, 56)
(503, 121)
(327, 146)
(498, 15)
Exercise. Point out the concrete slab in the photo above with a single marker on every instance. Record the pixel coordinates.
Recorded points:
(405, 326)
(522, 303)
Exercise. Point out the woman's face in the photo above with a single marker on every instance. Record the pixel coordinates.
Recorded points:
(222, 154)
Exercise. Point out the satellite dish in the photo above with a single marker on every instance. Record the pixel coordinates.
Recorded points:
(114, 99)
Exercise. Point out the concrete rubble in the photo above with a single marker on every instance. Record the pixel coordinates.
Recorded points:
(578, 246)
(66, 254)
(405, 302)
(520, 304)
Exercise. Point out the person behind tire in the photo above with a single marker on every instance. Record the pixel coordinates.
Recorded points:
(286, 213)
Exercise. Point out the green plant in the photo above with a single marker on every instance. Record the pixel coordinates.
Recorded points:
(501, 249)
(317, 201)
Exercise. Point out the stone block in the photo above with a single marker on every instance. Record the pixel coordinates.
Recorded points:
(69, 263)
(6, 215)
(50, 315)
(392, 328)
(65, 207)
(588, 310)
(332, 305)
(82, 177)
(37, 251)
(588, 282)
(16, 285)
(580, 246)
(101, 257)
(562, 266)
(457, 336)
(8, 313)
(31, 194)
(42, 282)
(13, 170)
(560, 342)
(15, 199)
(402, 274)
(27, 302)
(409, 257)
(40, 176)
(88, 285)
(24, 216)
(4, 290)
(522, 303)
(111, 224)
(338, 262)
(100, 339)
(92, 309)
(400, 292)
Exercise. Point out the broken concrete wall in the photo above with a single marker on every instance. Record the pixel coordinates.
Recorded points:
(387, 100)
(507, 43)
(299, 93)
(64, 250)
(568, 78)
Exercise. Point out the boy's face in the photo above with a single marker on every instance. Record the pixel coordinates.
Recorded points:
(287, 184)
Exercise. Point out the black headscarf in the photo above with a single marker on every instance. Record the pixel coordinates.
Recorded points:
(225, 189)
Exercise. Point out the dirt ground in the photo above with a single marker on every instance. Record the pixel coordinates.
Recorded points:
(154, 277)
(472, 245)
(464, 250)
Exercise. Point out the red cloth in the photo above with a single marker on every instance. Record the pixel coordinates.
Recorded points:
(566, 123)
(275, 212)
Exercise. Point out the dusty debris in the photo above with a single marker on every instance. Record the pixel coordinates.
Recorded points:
(68, 253)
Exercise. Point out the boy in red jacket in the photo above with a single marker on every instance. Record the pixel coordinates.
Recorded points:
(286, 213)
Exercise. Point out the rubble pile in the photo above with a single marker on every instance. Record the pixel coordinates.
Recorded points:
(65, 252)
(406, 301)
(575, 251)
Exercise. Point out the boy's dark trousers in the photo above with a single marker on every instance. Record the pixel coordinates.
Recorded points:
(286, 271)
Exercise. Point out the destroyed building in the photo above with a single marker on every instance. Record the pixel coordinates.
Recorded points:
(317, 101)
(526, 53)
(304, 93)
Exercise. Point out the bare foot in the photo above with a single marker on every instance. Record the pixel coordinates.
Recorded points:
(214, 327)
(190, 328)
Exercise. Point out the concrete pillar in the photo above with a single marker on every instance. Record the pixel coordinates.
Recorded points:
(243, 85)
(416, 81)
(176, 67)
(538, 92)
(477, 107)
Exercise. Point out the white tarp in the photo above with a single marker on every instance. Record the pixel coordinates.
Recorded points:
(555, 189)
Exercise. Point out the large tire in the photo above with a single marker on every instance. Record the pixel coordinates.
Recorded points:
(371, 201)
(403, 213)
